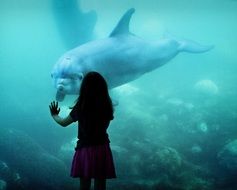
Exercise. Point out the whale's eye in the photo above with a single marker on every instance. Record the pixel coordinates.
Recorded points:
(80, 76)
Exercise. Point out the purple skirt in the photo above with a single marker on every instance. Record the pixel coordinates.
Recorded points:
(93, 162)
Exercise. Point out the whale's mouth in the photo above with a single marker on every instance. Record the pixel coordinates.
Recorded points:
(60, 96)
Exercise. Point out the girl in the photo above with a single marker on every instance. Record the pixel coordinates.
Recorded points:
(93, 111)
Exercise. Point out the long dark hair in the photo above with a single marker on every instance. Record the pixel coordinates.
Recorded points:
(94, 101)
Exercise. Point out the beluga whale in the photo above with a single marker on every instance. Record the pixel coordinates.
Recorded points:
(120, 58)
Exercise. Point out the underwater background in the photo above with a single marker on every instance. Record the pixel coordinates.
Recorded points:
(174, 129)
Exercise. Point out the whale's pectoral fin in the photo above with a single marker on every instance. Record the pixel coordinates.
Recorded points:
(115, 102)
(60, 96)
(123, 24)
(193, 47)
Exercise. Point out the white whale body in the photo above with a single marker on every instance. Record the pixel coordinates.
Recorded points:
(120, 58)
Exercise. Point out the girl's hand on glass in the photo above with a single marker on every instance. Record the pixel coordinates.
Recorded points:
(54, 109)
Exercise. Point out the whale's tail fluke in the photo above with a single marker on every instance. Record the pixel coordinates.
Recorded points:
(193, 47)
(75, 26)
(190, 46)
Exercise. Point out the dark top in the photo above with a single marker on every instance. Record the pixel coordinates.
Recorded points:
(91, 131)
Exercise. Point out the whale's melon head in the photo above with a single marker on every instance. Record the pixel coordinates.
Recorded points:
(66, 78)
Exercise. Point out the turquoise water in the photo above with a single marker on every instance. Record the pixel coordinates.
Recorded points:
(174, 128)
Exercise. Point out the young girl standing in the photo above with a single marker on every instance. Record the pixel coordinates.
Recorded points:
(93, 111)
